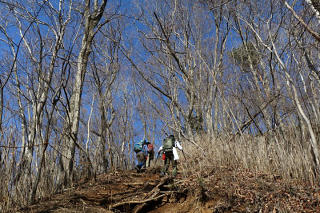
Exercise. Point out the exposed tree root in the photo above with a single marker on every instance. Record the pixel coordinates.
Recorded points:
(137, 201)
(154, 196)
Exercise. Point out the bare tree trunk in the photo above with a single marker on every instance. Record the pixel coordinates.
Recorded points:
(1, 105)
(91, 22)
(43, 154)
(102, 136)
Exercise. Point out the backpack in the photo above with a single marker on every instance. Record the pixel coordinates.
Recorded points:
(167, 144)
(150, 148)
(138, 146)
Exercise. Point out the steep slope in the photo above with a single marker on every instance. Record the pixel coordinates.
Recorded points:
(215, 190)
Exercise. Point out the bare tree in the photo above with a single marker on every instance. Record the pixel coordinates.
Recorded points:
(34, 89)
(91, 26)
(104, 76)
(182, 68)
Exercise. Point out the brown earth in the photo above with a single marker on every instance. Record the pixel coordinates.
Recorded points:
(215, 190)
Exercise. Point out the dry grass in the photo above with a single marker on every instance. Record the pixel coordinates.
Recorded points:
(285, 157)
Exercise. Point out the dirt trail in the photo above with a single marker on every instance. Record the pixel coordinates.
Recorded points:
(115, 192)
(215, 190)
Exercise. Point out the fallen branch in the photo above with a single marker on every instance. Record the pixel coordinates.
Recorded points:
(155, 191)
(151, 196)
(139, 208)
(137, 201)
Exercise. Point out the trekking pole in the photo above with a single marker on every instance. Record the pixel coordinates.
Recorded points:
(155, 163)
(183, 155)
(156, 159)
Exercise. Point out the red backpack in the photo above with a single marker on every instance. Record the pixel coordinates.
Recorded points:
(150, 147)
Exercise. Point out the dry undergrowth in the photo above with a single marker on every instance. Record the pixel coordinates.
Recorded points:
(215, 189)
(229, 175)
(287, 157)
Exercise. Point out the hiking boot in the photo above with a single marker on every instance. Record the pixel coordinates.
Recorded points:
(142, 170)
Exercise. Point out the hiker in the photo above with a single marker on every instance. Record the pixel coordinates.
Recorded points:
(170, 154)
(141, 149)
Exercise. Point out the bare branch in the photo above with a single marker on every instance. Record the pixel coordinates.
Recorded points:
(312, 32)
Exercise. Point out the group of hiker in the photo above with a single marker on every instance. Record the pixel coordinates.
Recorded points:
(168, 151)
